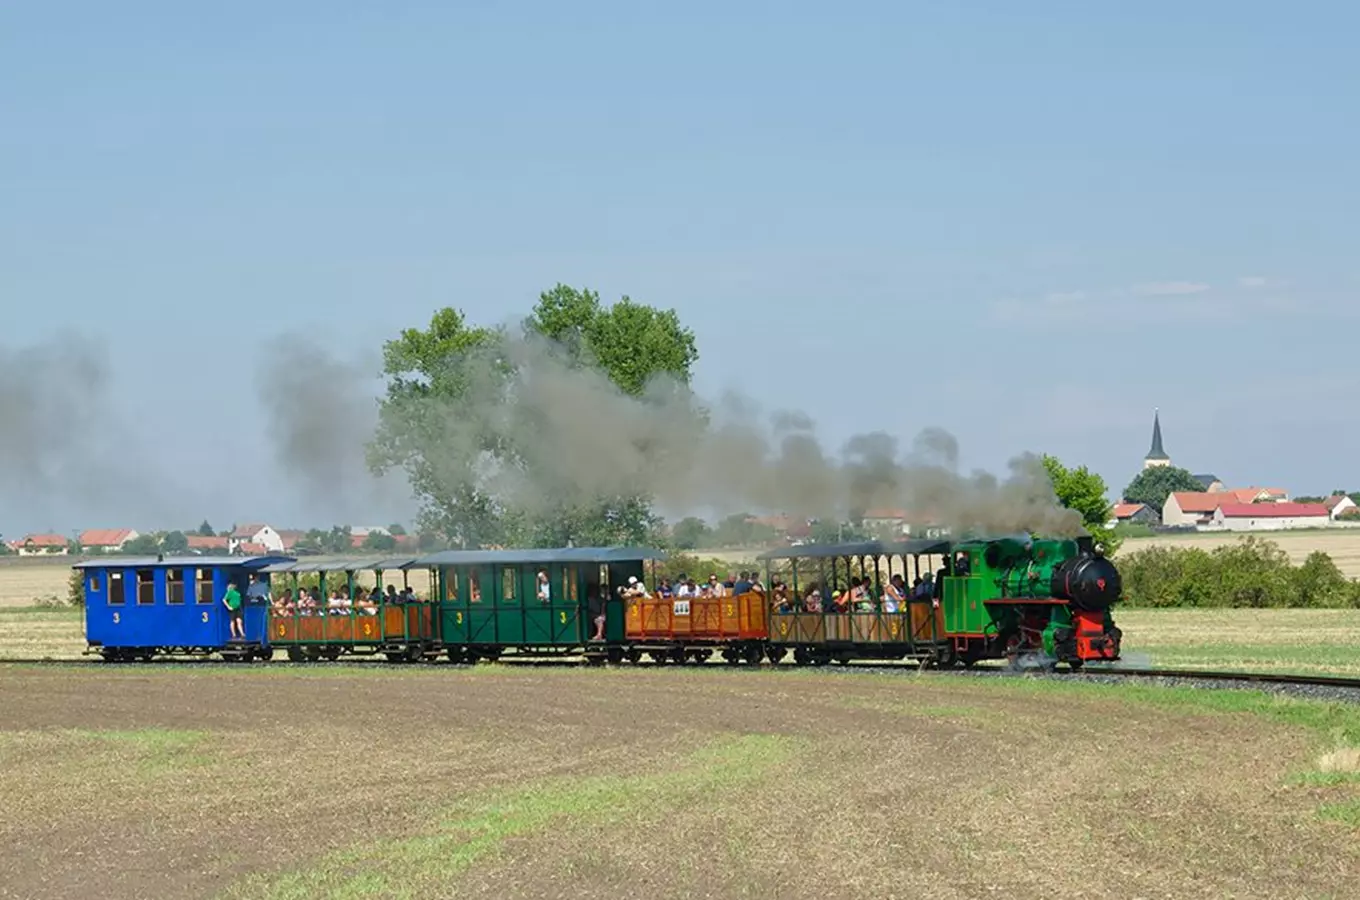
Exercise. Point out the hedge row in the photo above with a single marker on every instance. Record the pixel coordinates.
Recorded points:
(1251, 573)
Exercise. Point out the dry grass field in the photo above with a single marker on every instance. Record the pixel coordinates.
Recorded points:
(512, 782)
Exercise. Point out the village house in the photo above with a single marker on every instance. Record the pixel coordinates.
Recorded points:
(1210, 483)
(1191, 507)
(42, 545)
(887, 522)
(1338, 505)
(105, 540)
(1269, 516)
(259, 535)
(1133, 514)
(199, 543)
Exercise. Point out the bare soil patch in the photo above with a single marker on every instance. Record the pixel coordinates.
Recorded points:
(381, 782)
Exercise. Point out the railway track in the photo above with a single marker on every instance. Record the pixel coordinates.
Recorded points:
(1343, 686)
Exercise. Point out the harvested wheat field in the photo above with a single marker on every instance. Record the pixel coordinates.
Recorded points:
(512, 782)
(26, 582)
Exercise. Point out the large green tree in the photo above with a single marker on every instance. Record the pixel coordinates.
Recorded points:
(451, 419)
(1082, 490)
(1153, 485)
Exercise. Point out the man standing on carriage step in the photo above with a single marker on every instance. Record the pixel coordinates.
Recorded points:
(232, 601)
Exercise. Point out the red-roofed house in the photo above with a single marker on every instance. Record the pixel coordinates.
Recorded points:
(246, 548)
(290, 539)
(1133, 513)
(1270, 516)
(1192, 507)
(105, 540)
(256, 534)
(42, 545)
(1337, 504)
(886, 521)
(1254, 495)
(200, 543)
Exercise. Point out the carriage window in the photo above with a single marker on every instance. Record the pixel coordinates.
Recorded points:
(474, 587)
(116, 589)
(451, 585)
(205, 586)
(174, 587)
(508, 585)
(146, 587)
(569, 583)
(94, 584)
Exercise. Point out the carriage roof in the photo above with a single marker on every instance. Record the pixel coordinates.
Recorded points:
(369, 564)
(264, 563)
(920, 547)
(540, 555)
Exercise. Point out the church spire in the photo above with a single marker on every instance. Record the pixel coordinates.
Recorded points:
(1156, 456)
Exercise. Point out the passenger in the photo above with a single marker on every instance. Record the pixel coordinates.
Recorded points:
(257, 592)
(742, 585)
(779, 597)
(595, 605)
(664, 590)
(283, 606)
(687, 587)
(863, 599)
(895, 594)
(544, 588)
(715, 587)
(636, 588)
(812, 601)
(391, 595)
(232, 601)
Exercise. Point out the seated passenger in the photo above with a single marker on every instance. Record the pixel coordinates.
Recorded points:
(779, 597)
(894, 594)
(544, 589)
(687, 588)
(812, 601)
(391, 595)
(742, 585)
(664, 589)
(715, 587)
(636, 588)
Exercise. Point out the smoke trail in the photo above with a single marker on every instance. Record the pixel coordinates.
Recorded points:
(537, 431)
(64, 451)
(320, 413)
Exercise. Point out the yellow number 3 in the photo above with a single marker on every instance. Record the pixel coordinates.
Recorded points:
(458, 617)
(564, 618)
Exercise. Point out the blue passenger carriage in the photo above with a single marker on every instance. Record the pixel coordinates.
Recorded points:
(138, 608)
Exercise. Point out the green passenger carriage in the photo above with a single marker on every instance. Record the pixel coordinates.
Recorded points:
(533, 602)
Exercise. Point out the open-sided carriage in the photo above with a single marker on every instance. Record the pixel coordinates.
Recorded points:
(804, 581)
(681, 629)
(380, 622)
(541, 602)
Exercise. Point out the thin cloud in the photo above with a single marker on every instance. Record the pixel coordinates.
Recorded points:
(1252, 281)
(1171, 288)
(1063, 298)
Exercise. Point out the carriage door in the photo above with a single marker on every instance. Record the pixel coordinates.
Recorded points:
(619, 574)
(566, 604)
(481, 600)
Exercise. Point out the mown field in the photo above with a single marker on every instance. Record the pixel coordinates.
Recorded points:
(512, 782)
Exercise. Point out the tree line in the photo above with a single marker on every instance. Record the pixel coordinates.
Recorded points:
(1251, 573)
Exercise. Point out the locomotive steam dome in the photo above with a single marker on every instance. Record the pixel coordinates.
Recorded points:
(1087, 582)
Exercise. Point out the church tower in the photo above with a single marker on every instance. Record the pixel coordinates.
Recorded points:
(1156, 456)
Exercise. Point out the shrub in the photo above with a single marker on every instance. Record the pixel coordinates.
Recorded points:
(75, 588)
(1251, 573)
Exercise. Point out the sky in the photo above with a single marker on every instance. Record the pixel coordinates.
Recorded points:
(1029, 224)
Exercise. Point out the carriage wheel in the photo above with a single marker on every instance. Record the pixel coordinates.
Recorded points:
(634, 655)
(754, 654)
(614, 655)
(775, 654)
(801, 657)
(295, 654)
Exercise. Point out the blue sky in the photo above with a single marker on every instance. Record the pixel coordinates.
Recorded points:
(1026, 223)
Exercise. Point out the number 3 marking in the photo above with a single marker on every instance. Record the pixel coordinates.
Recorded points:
(564, 618)
(458, 618)
(115, 618)
(205, 615)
